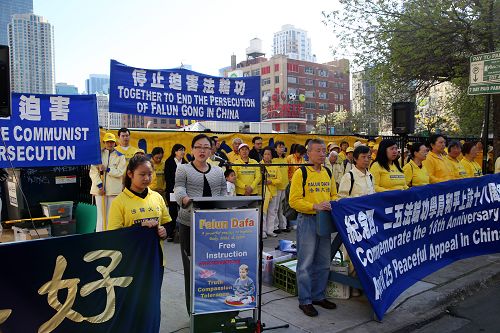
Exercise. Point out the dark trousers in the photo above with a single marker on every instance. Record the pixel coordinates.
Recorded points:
(173, 209)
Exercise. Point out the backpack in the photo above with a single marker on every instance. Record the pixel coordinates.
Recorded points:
(352, 181)
(345, 163)
(289, 212)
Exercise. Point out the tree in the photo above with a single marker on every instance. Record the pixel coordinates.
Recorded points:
(411, 46)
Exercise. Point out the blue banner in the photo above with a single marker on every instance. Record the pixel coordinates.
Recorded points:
(396, 238)
(183, 94)
(225, 248)
(50, 130)
(100, 282)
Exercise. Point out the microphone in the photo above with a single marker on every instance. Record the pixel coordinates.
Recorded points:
(219, 159)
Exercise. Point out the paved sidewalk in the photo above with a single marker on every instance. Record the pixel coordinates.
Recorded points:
(422, 302)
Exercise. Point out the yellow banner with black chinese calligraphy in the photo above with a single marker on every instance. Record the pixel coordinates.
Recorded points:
(101, 282)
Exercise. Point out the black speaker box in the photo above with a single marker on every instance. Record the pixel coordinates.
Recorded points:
(403, 117)
(4, 82)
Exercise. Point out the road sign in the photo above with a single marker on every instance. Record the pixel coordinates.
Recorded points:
(484, 74)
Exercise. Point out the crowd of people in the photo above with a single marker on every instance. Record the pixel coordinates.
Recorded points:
(132, 188)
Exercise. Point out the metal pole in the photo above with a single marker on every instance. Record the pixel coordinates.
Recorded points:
(485, 132)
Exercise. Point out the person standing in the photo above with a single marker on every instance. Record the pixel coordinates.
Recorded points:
(297, 157)
(124, 146)
(336, 166)
(313, 251)
(469, 163)
(107, 179)
(415, 172)
(256, 151)
(218, 150)
(358, 181)
(386, 171)
(175, 159)
(281, 188)
(453, 159)
(234, 155)
(158, 181)
(249, 178)
(271, 199)
(195, 179)
(343, 150)
(439, 169)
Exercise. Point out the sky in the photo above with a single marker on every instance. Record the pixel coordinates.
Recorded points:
(155, 34)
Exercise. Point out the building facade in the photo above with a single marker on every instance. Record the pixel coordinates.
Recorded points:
(323, 88)
(293, 42)
(66, 89)
(31, 42)
(97, 84)
(107, 119)
(9, 8)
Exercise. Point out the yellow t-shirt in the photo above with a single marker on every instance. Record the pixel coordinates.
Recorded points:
(472, 169)
(158, 181)
(232, 156)
(292, 159)
(458, 171)
(129, 152)
(319, 187)
(387, 180)
(247, 176)
(284, 173)
(415, 175)
(128, 209)
(438, 167)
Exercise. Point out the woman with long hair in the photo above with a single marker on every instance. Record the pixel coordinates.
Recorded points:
(175, 159)
(415, 172)
(386, 171)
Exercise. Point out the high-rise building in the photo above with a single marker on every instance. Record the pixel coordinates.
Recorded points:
(294, 43)
(66, 89)
(107, 119)
(97, 84)
(31, 42)
(323, 87)
(9, 8)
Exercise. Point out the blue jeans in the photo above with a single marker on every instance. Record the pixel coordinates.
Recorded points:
(313, 266)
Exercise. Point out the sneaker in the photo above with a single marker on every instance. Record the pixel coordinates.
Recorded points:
(277, 231)
(325, 304)
(308, 310)
(285, 230)
(272, 234)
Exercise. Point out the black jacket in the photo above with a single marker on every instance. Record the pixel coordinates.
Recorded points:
(170, 168)
(256, 155)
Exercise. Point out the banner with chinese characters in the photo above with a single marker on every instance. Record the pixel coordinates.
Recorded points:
(100, 282)
(225, 257)
(181, 93)
(50, 130)
(396, 238)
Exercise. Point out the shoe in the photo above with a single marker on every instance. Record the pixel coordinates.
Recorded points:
(285, 230)
(308, 310)
(272, 234)
(325, 304)
(277, 231)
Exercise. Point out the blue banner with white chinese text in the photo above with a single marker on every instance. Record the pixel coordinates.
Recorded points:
(396, 238)
(101, 282)
(225, 257)
(50, 130)
(183, 94)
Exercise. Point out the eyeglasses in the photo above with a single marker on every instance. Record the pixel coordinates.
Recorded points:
(202, 148)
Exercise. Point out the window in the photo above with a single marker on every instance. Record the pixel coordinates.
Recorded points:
(266, 92)
(310, 105)
(322, 72)
(341, 97)
(266, 70)
(308, 70)
(245, 74)
(323, 95)
(266, 81)
(292, 79)
(323, 84)
(323, 106)
(276, 67)
(256, 72)
(292, 67)
(292, 91)
(309, 82)
(164, 121)
(276, 79)
(309, 93)
(310, 116)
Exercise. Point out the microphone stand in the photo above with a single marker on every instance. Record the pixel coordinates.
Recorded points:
(260, 326)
